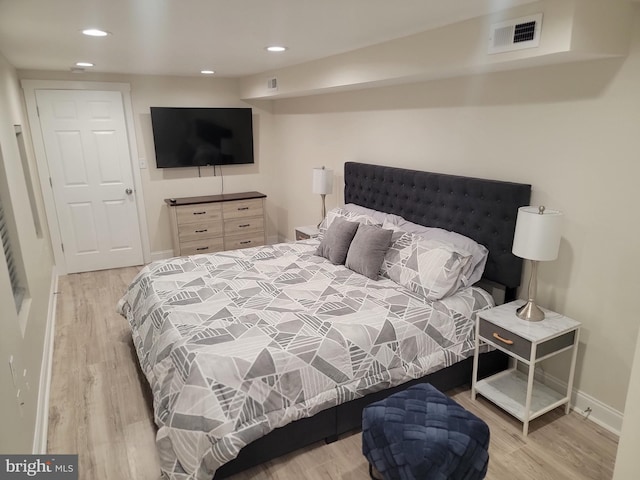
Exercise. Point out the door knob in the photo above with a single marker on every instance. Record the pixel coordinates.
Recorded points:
(128, 191)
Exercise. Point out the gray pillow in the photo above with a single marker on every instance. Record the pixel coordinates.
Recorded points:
(367, 250)
(335, 243)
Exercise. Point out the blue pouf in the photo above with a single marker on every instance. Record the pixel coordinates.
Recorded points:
(421, 434)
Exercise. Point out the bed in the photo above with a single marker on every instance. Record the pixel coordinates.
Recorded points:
(254, 353)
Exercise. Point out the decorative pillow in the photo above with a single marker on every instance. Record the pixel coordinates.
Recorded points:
(347, 215)
(367, 250)
(428, 267)
(378, 216)
(474, 269)
(335, 243)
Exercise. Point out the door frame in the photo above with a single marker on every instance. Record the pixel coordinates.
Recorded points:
(29, 87)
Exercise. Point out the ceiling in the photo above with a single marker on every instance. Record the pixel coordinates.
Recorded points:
(182, 37)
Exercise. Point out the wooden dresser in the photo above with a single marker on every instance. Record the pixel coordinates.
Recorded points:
(217, 222)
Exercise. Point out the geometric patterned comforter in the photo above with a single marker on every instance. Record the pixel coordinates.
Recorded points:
(238, 343)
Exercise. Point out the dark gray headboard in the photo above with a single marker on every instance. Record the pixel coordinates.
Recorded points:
(484, 210)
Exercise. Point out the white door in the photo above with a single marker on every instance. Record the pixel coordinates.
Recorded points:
(85, 140)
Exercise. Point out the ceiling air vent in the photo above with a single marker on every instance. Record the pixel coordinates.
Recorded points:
(515, 34)
(272, 84)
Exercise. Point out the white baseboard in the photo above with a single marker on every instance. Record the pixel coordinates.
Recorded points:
(44, 387)
(602, 414)
(161, 255)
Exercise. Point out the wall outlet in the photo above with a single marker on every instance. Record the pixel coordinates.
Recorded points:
(142, 162)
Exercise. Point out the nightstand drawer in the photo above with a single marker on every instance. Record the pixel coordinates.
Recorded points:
(242, 208)
(505, 339)
(198, 213)
(555, 344)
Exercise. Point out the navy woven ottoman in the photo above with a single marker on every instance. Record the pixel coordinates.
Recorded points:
(421, 434)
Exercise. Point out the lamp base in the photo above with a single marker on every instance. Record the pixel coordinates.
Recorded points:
(324, 208)
(530, 312)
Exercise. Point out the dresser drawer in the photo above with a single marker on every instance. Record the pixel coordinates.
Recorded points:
(242, 208)
(244, 241)
(505, 339)
(205, 245)
(242, 226)
(199, 213)
(194, 231)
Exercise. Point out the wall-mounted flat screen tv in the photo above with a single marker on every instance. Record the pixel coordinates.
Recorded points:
(195, 137)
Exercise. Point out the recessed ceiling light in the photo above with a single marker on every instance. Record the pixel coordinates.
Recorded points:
(207, 72)
(276, 48)
(94, 32)
(84, 64)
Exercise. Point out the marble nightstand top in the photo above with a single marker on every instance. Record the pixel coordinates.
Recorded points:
(553, 325)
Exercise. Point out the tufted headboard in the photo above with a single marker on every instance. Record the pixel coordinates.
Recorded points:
(484, 210)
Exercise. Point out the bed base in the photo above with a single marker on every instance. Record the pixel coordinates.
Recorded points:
(329, 424)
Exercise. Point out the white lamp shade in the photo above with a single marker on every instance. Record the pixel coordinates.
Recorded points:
(322, 181)
(537, 234)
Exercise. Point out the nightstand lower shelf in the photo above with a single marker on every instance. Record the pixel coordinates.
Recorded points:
(508, 390)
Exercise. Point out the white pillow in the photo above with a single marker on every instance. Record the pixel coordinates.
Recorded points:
(428, 267)
(347, 215)
(474, 269)
(377, 215)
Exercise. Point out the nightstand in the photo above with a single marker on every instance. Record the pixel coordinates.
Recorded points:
(516, 392)
(305, 233)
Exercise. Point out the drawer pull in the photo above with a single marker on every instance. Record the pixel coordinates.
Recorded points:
(243, 208)
(202, 248)
(244, 225)
(202, 231)
(245, 242)
(199, 213)
(503, 340)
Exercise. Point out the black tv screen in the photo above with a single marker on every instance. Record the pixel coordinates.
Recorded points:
(194, 137)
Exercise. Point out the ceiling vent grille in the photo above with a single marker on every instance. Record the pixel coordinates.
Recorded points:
(515, 34)
(272, 84)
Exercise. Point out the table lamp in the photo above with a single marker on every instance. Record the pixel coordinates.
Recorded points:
(322, 184)
(537, 238)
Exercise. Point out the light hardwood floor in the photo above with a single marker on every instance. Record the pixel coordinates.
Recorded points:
(100, 409)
